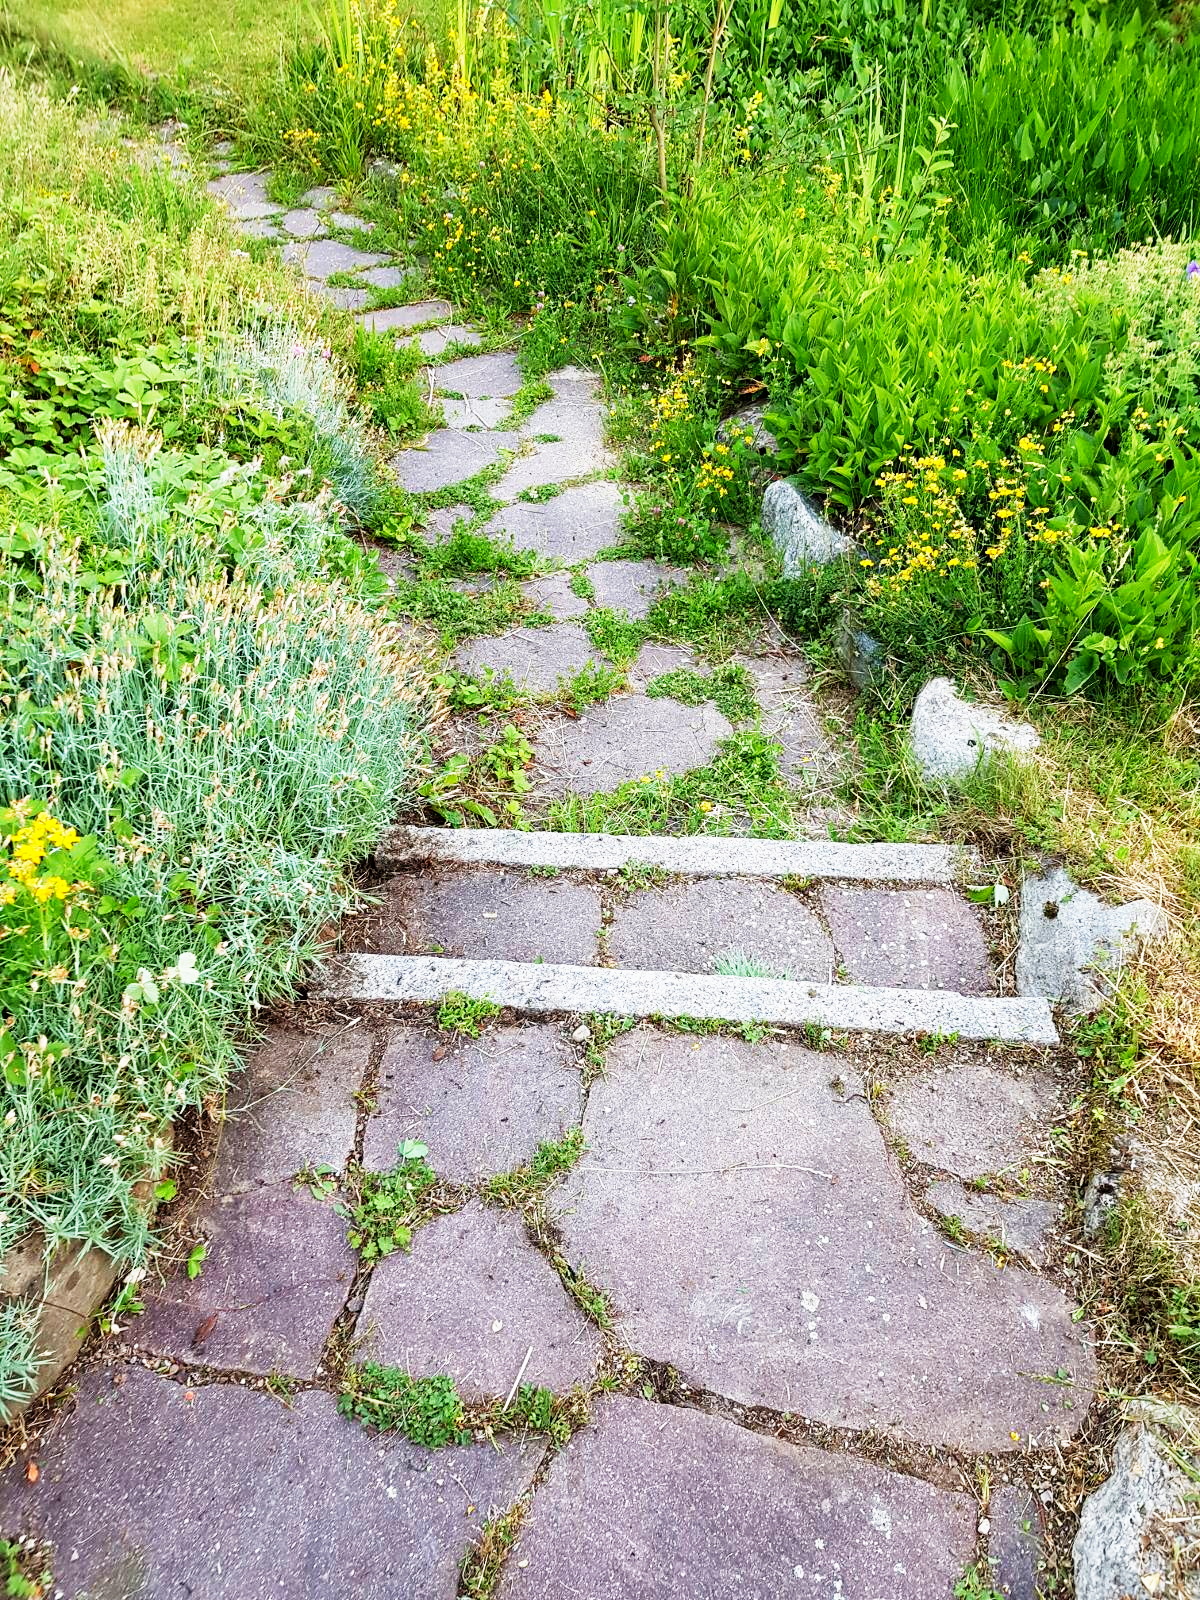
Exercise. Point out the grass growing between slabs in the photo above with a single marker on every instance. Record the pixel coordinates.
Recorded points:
(206, 719)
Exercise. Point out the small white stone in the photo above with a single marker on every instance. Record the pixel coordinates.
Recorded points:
(582, 1034)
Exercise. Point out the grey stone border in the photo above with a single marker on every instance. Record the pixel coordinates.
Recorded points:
(696, 855)
(619, 991)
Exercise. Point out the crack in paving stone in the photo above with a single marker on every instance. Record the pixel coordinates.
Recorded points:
(833, 1298)
(447, 457)
(222, 1491)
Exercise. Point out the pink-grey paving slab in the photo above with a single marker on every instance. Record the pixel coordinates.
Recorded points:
(275, 1277)
(475, 1299)
(448, 456)
(571, 526)
(690, 926)
(909, 938)
(151, 1491)
(1021, 1225)
(536, 659)
(661, 1503)
(790, 717)
(739, 1205)
(291, 1107)
(972, 1117)
(626, 737)
(1015, 1555)
(482, 1106)
(484, 913)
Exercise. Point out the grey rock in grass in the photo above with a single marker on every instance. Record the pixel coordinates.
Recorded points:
(291, 1107)
(388, 277)
(538, 660)
(1140, 1531)
(271, 1285)
(481, 1106)
(401, 318)
(738, 1204)
(319, 198)
(973, 1119)
(447, 457)
(863, 659)
(951, 738)
(245, 194)
(663, 1501)
(1015, 1542)
(554, 594)
(1072, 946)
(322, 258)
(435, 341)
(909, 938)
(473, 1299)
(748, 427)
(151, 1488)
(482, 377)
(691, 926)
(303, 224)
(489, 913)
(801, 536)
(633, 586)
(572, 526)
(630, 736)
(1020, 1225)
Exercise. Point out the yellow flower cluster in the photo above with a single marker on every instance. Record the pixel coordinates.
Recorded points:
(932, 537)
(715, 474)
(28, 846)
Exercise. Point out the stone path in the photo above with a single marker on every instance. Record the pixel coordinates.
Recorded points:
(790, 1288)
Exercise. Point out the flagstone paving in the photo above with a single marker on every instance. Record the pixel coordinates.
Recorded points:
(748, 1223)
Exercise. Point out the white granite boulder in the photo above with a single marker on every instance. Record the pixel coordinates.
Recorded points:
(952, 737)
(1071, 941)
(802, 538)
(1138, 1533)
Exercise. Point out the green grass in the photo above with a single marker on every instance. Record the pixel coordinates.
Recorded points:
(389, 1206)
(551, 1161)
(459, 1013)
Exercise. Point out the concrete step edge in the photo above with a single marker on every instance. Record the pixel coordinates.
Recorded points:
(620, 991)
(695, 855)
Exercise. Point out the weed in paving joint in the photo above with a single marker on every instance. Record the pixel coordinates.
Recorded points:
(460, 1013)
(730, 688)
(551, 1160)
(429, 1411)
(390, 1205)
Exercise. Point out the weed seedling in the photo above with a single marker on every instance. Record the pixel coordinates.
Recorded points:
(428, 1411)
(391, 1204)
(459, 1013)
(551, 1159)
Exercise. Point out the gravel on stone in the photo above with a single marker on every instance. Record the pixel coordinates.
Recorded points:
(691, 926)
(324, 257)
(626, 737)
(1021, 1225)
(633, 586)
(739, 1206)
(909, 939)
(482, 377)
(662, 1502)
(572, 526)
(554, 594)
(536, 659)
(488, 913)
(291, 1107)
(971, 1119)
(476, 1300)
(275, 1276)
(482, 1106)
(447, 457)
(150, 1489)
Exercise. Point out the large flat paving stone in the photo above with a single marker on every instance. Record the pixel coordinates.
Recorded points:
(151, 1491)
(536, 659)
(568, 435)
(690, 926)
(490, 913)
(909, 938)
(400, 319)
(473, 1300)
(275, 1277)
(973, 1118)
(490, 377)
(324, 257)
(245, 195)
(435, 341)
(475, 413)
(1022, 1225)
(791, 717)
(303, 223)
(659, 1502)
(738, 1204)
(653, 660)
(451, 455)
(291, 1107)
(482, 1106)
(633, 586)
(628, 737)
(554, 594)
(572, 526)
